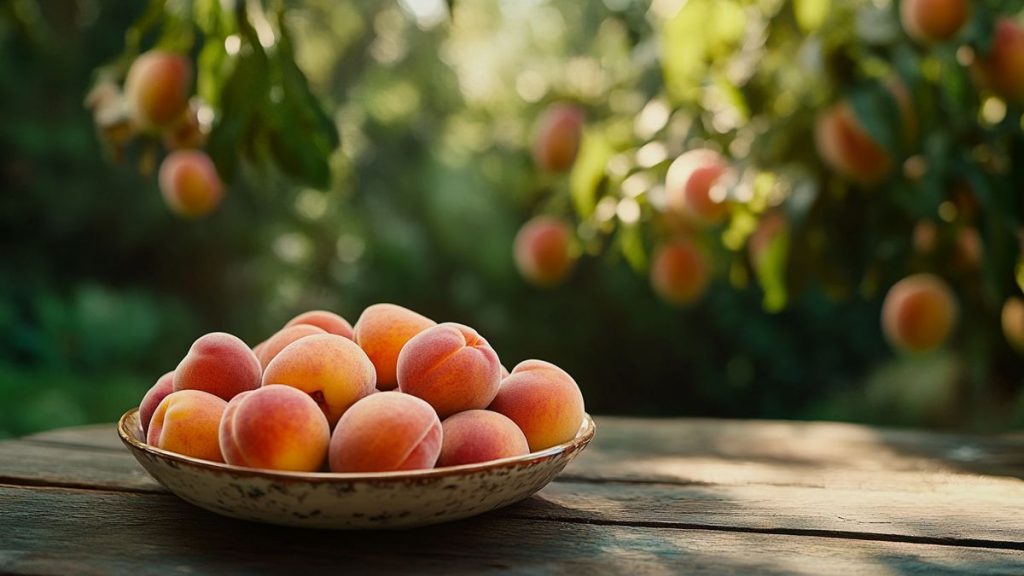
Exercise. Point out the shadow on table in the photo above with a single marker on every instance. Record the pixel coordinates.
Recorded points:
(996, 455)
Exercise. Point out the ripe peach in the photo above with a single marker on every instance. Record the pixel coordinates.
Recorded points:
(451, 367)
(157, 88)
(381, 331)
(847, 148)
(275, 427)
(285, 336)
(332, 369)
(919, 313)
(152, 399)
(933, 20)
(220, 364)
(479, 436)
(557, 138)
(385, 432)
(327, 321)
(190, 184)
(1013, 322)
(679, 273)
(688, 186)
(543, 400)
(225, 432)
(542, 251)
(1002, 69)
(186, 422)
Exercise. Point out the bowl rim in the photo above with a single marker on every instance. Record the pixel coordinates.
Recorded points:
(583, 437)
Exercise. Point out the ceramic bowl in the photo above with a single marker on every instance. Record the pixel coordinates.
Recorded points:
(351, 501)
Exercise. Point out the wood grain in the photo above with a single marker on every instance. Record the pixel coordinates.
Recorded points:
(70, 532)
(819, 455)
(982, 512)
(30, 463)
(822, 454)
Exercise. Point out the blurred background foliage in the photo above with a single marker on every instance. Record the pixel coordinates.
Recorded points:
(102, 289)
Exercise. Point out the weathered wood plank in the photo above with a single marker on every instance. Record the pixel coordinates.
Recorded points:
(597, 464)
(977, 513)
(823, 455)
(970, 518)
(62, 531)
(31, 463)
(99, 436)
(663, 447)
(812, 444)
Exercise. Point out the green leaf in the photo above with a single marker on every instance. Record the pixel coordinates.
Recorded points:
(144, 25)
(701, 32)
(879, 113)
(631, 242)
(811, 14)
(212, 71)
(303, 135)
(212, 18)
(588, 171)
(244, 91)
(771, 271)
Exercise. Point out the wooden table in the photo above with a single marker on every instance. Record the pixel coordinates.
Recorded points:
(648, 496)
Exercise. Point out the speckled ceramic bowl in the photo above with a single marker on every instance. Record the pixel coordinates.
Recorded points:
(353, 501)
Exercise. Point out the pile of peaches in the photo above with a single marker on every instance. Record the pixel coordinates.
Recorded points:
(396, 392)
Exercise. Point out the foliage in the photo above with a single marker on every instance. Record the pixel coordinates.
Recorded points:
(419, 198)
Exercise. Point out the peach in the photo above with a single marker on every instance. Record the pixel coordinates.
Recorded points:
(1013, 322)
(479, 436)
(332, 369)
(451, 367)
(846, 147)
(190, 184)
(327, 321)
(220, 364)
(543, 400)
(929, 21)
(679, 273)
(275, 427)
(152, 399)
(225, 432)
(186, 422)
(557, 137)
(1002, 69)
(919, 313)
(285, 336)
(157, 88)
(689, 183)
(542, 251)
(385, 432)
(381, 331)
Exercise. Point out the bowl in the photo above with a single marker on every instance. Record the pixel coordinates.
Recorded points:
(351, 501)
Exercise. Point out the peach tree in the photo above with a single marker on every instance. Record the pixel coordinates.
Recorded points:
(861, 148)
(835, 143)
